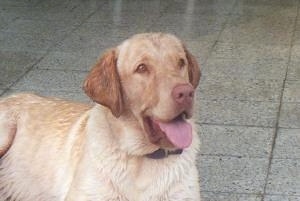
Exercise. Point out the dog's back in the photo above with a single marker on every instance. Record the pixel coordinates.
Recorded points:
(33, 158)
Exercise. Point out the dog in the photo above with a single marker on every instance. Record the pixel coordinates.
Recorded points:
(136, 143)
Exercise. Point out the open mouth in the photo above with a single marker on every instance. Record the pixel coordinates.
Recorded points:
(177, 132)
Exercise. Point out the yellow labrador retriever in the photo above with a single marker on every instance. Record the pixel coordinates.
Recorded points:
(137, 143)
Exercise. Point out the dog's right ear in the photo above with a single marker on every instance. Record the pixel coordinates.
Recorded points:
(103, 84)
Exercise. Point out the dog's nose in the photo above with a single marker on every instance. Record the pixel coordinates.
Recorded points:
(183, 95)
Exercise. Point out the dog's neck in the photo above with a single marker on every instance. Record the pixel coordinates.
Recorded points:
(163, 153)
(125, 132)
(133, 132)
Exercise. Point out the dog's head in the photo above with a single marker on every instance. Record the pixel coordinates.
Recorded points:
(153, 77)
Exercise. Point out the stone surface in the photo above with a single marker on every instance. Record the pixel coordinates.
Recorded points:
(14, 64)
(208, 196)
(40, 80)
(259, 30)
(253, 68)
(241, 89)
(231, 174)
(284, 177)
(281, 198)
(292, 91)
(235, 141)
(231, 112)
(249, 51)
(245, 49)
(290, 115)
(287, 144)
(294, 70)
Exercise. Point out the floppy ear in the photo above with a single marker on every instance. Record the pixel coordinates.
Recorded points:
(193, 68)
(103, 84)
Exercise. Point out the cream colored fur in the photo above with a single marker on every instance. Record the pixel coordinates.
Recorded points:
(56, 150)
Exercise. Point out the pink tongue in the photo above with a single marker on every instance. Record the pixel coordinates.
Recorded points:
(178, 131)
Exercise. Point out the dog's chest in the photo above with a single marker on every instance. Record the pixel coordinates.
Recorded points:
(146, 181)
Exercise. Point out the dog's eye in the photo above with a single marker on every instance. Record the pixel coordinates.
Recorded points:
(141, 68)
(181, 63)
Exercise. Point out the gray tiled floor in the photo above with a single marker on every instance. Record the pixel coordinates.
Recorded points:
(248, 110)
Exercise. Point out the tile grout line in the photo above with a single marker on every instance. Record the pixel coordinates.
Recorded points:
(224, 193)
(244, 156)
(280, 103)
(233, 125)
(76, 27)
(220, 32)
(25, 73)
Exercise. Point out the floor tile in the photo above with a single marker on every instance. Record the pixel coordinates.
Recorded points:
(274, 30)
(90, 37)
(291, 91)
(290, 115)
(14, 64)
(68, 13)
(249, 51)
(51, 4)
(121, 13)
(110, 31)
(81, 60)
(19, 2)
(294, 71)
(201, 7)
(77, 44)
(287, 144)
(282, 3)
(294, 67)
(128, 6)
(232, 112)
(281, 198)
(259, 22)
(6, 19)
(119, 18)
(50, 30)
(200, 48)
(296, 36)
(295, 51)
(209, 196)
(245, 68)
(24, 42)
(191, 27)
(65, 4)
(284, 177)
(49, 80)
(9, 14)
(251, 8)
(236, 141)
(3, 23)
(240, 89)
(230, 174)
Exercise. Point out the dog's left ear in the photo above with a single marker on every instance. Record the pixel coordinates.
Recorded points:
(103, 84)
(193, 68)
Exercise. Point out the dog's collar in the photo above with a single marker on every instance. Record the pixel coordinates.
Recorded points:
(163, 153)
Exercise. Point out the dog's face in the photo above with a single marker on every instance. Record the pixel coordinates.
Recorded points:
(153, 77)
